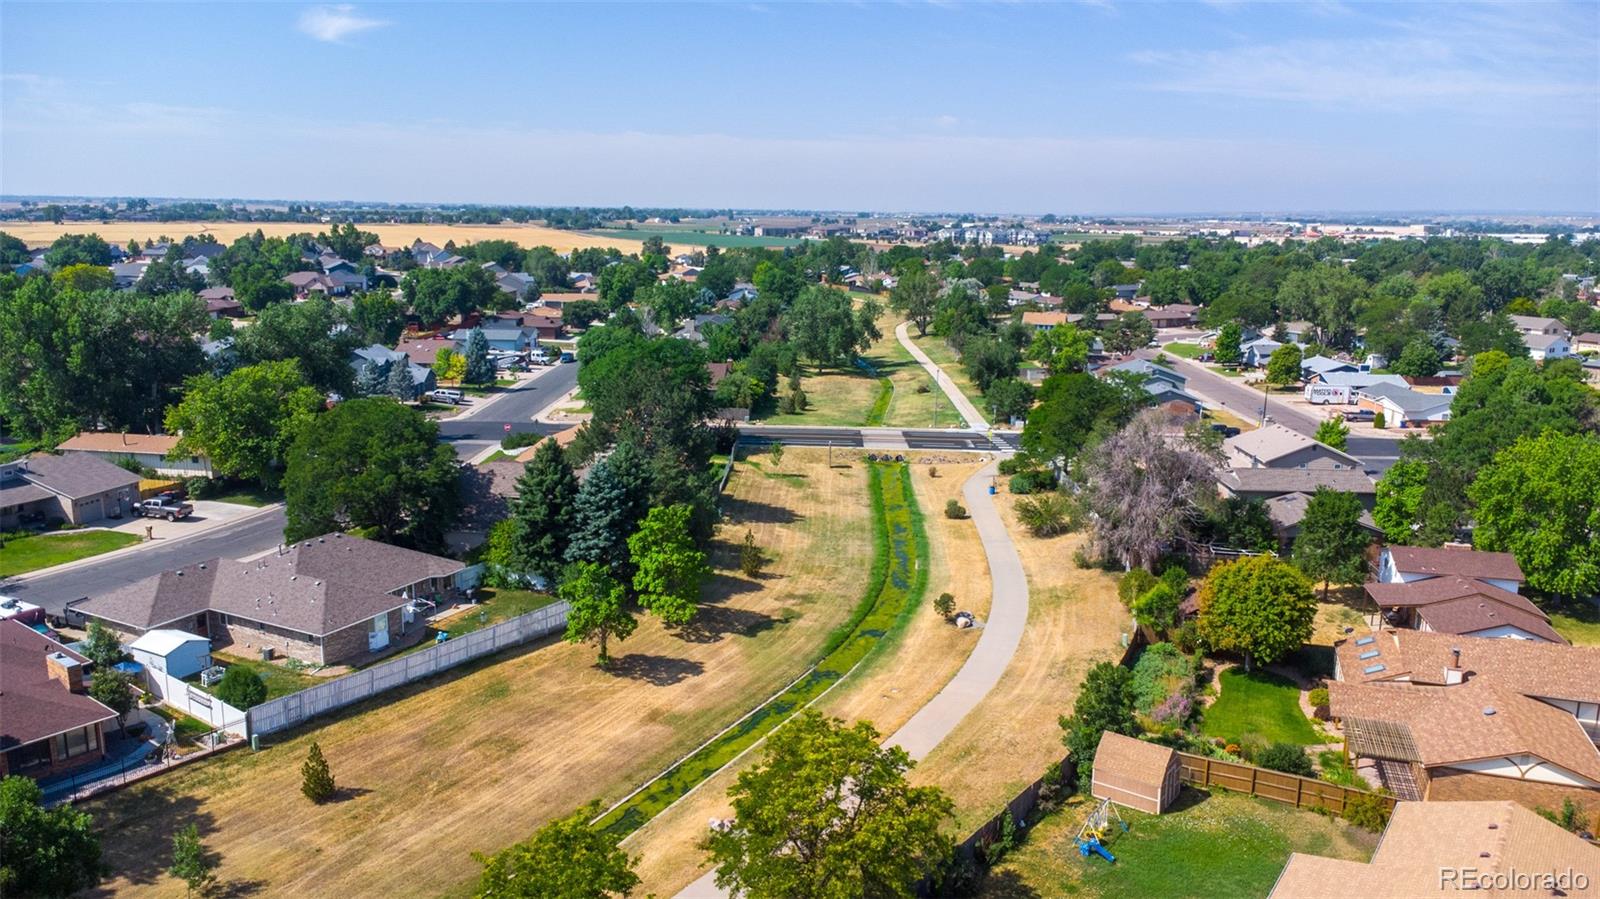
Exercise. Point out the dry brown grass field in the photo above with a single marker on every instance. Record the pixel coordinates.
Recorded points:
(483, 759)
(42, 233)
(1074, 621)
(887, 690)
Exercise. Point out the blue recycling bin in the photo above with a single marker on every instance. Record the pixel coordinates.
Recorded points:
(991, 490)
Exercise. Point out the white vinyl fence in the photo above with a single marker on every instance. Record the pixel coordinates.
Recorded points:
(288, 711)
(193, 701)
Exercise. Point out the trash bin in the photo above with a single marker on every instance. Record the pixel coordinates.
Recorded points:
(991, 490)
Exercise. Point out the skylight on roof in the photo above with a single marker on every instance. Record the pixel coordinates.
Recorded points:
(1366, 641)
(1374, 669)
(1369, 654)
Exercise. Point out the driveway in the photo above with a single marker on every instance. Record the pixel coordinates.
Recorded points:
(208, 514)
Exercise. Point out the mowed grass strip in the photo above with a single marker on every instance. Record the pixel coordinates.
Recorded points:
(1207, 845)
(481, 757)
(23, 554)
(1259, 702)
(894, 587)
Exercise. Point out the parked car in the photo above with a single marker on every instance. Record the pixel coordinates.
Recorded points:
(538, 356)
(1225, 430)
(452, 397)
(568, 357)
(166, 506)
(1360, 415)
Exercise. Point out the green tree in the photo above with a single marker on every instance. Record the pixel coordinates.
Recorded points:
(543, 512)
(44, 852)
(399, 384)
(84, 277)
(114, 690)
(316, 778)
(822, 325)
(1241, 523)
(101, 646)
(1062, 349)
(1158, 607)
(1540, 500)
(449, 365)
(191, 863)
(1419, 359)
(668, 568)
(565, 859)
(1332, 544)
(1333, 432)
(914, 295)
(244, 421)
(1075, 409)
(1008, 399)
(829, 814)
(309, 333)
(375, 464)
(1257, 606)
(606, 510)
(78, 249)
(1228, 339)
(242, 688)
(597, 607)
(1129, 332)
(1283, 366)
(751, 558)
(377, 316)
(1104, 703)
(479, 369)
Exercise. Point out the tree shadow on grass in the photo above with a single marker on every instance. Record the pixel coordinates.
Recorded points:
(1008, 884)
(713, 623)
(136, 827)
(747, 512)
(659, 671)
(237, 889)
(721, 587)
(345, 794)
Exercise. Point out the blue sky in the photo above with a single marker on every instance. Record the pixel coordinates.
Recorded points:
(1098, 107)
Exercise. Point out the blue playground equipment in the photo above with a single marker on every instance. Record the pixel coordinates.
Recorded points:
(1091, 836)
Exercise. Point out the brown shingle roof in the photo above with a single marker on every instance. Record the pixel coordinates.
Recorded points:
(1296, 480)
(315, 587)
(1424, 838)
(114, 442)
(33, 705)
(1438, 561)
(1553, 670)
(1474, 720)
(1129, 759)
(1458, 605)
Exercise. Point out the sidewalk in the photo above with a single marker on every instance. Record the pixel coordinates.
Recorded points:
(137, 525)
(975, 419)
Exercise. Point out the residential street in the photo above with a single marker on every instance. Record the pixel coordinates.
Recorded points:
(485, 422)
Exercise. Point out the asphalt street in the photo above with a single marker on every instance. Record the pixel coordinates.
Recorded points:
(474, 430)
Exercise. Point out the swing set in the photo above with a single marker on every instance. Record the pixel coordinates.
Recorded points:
(1092, 835)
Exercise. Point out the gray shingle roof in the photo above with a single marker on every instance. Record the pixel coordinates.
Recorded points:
(76, 476)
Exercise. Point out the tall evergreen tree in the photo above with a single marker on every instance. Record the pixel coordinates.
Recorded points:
(370, 380)
(543, 511)
(399, 383)
(602, 519)
(480, 370)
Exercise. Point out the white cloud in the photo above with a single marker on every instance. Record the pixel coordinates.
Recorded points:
(334, 23)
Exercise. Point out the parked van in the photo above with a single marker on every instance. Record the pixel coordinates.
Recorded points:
(453, 397)
(538, 356)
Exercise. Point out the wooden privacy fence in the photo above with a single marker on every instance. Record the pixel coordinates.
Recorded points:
(288, 711)
(1290, 789)
(1020, 808)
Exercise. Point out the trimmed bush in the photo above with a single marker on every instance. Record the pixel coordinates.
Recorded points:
(1318, 698)
(1025, 482)
(1286, 757)
(241, 688)
(953, 509)
(1366, 811)
(945, 605)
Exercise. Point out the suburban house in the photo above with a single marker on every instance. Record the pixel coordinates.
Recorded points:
(149, 450)
(487, 491)
(424, 352)
(76, 488)
(1538, 324)
(1256, 353)
(344, 276)
(1266, 483)
(126, 274)
(220, 302)
(1286, 511)
(694, 328)
(1436, 848)
(1043, 321)
(379, 357)
(503, 337)
(1299, 331)
(1125, 291)
(1276, 446)
(1177, 315)
(1461, 605)
(1445, 716)
(1407, 564)
(330, 600)
(178, 653)
(1587, 342)
(307, 283)
(1149, 370)
(1321, 365)
(1546, 346)
(48, 723)
(1402, 406)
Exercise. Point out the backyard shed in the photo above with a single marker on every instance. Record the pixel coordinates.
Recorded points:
(178, 653)
(1136, 774)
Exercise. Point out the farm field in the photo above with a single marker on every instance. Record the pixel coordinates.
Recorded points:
(855, 398)
(1208, 844)
(1074, 621)
(498, 748)
(22, 554)
(41, 233)
(915, 662)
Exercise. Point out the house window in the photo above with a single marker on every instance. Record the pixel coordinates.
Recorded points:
(76, 742)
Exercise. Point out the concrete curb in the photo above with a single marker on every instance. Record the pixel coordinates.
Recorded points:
(129, 550)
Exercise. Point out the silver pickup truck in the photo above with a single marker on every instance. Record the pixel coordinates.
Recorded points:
(169, 508)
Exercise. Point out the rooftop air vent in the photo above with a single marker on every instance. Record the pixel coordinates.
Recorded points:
(1488, 710)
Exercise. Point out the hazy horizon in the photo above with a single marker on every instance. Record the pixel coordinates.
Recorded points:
(1100, 108)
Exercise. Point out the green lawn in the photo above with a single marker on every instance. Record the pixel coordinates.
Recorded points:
(893, 391)
(186, 729)
(946, 359)
(1219, 844)
(1185, 350)
(1259, 703)
(1578, 621)
(498, 605)
(246, 495)
(280, 681)
(23, 554)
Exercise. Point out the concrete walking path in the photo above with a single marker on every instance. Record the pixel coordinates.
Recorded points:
(1002, 633)
(975, 419)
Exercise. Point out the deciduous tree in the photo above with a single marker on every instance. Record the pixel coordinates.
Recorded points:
(1540, 500)
(1332, 544)
(243, 422)
(668, 568)
(565, 859)
(44, 852)
(597, 607)
(914, 295)
(1104, 703)
(828, 814)
(1257, 606)
(1283, 366)
(1332, 432)
(191, 863)
(1145, 489)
